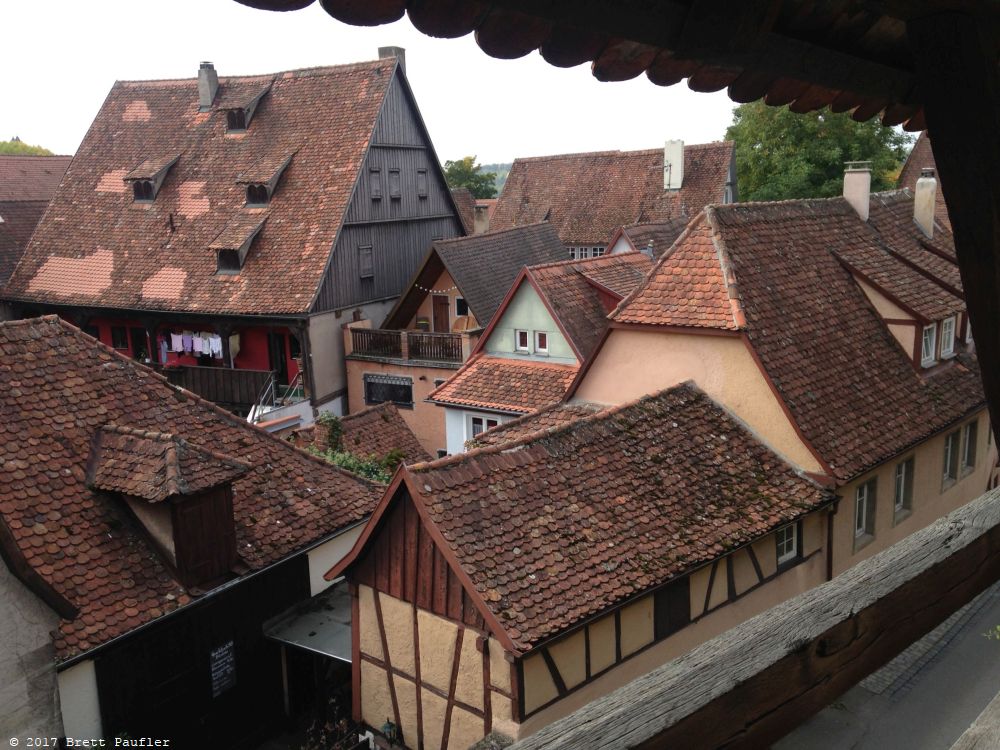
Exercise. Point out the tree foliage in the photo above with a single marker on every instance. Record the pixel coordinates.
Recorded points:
(781, 154)
(466, 173)
(16, 147)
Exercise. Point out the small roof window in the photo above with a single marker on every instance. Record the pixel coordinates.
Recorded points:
(261, 179)
(147, 178)
(232, 245)
(239, 102)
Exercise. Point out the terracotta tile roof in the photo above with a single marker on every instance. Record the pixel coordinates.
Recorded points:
(155, 465)
(688, 287)
(891, 215)
(660, 235)
(380, 429)
(588, 196)
(574, 292)
(31, 178)
(485, 265)
(151, 167)
(850, 387)
(550, 417)
(238, 230)
(325, 115)
(265, 168)
(62, 388)
(17, 222)
(517, 386)
(922, 156)
(466, 206)
(562, 525)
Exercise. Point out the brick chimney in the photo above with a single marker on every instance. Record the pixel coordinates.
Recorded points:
(208, 85)
(389, 52)
(925, 200)
(858, 186)
(673, 165)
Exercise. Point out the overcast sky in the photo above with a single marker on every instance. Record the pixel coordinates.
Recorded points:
(62, 56)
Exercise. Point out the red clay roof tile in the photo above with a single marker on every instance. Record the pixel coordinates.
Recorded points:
(509, 385)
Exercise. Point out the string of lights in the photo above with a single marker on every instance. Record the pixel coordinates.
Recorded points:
(435, 291)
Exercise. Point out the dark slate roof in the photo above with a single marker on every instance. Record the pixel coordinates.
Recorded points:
(573, 290)
(483, 267)
(852, 390)
(659, 235)
(62, 389)
(563, 525)
(30, 178)
(588, 196)
(156, 256)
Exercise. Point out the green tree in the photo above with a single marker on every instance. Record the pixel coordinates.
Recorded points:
(17, 147)
(781, 154)
(466, 173)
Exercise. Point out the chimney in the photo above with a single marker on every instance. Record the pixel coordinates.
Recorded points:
(673, 165)
(384, 53)
(858, 186)
(925, 200)
(648, 250)
(208, 85)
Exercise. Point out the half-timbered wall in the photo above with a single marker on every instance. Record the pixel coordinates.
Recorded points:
(400, 204)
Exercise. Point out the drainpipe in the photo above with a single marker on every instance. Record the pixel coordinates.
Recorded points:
(829, 538)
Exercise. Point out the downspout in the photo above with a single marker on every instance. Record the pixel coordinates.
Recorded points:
(829, 538)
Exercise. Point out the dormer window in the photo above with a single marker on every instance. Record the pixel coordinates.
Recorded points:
(948, 337)
(257, 195)
(236, 120)
(240, 103)
(261, 179)
(233, 243)
(928, 353)
(147, 178)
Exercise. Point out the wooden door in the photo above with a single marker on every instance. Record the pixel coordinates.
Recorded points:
(442, 306)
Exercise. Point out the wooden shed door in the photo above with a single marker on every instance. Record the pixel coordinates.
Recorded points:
(442, 305)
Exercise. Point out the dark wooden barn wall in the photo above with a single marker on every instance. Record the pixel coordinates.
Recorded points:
(157, 683)
(403, 561)
(399, 230)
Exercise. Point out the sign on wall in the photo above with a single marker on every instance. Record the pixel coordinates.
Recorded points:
(223, 666)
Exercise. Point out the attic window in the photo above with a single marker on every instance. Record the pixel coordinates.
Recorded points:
(948, 337)
(257, 194)
(142, 190)
(148, 177)
(928, 345)
(228, 261)
(236, 120)
(232, 245)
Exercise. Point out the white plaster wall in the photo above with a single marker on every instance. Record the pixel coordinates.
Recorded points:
(454, 425)
(328, 554)
(622, 245)
(29, 700)
(81, 707)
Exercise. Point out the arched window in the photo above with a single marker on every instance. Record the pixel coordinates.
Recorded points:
(257, 195)
(236, 119)
(142, 190)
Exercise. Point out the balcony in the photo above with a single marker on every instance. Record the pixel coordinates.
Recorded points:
(234, 389)
(410, 346)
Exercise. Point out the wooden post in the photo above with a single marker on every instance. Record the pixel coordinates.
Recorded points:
(958, 81)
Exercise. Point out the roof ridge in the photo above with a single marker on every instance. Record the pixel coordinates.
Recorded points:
(520, 227)
(616, 152)
(252, 77)
(530, 362)
(728, 271)
(384, 406)
(577, 261)
(231, 418)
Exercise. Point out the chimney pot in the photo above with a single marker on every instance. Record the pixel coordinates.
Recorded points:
(208, 85)
(925, 200)
(858, 186)
(399, 53)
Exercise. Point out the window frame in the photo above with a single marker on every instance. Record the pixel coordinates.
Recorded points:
(117, 331)
(485, 419)
(458, 312)
(925, 359)
(952, 455)
(789, 556)
(395, 184)
(970, 435)
(517, 340)
(422, 189)
(143, 191)
(384, 379)
(375, 183)
(902, 487)
(366, 262)
(866, 496)
(948, 344)
(539, 349)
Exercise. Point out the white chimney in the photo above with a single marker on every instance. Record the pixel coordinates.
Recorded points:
(389, 52)
(673, 165)
(858, 186)
(925, 201)
(208, 85)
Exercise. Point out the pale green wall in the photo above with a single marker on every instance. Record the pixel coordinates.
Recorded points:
(526, 311)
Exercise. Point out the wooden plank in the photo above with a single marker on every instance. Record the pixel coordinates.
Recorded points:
(451, 688)
(395, 532)
(455, 593)
(751, 685)
(956, 68)
(557, 679)
(425, 582)
(411, 524)
(440, 586)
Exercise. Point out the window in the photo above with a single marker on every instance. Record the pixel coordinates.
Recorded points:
(119, 337)
(461, 307)
(142, 190)
(257, 195)
(236, 120)
(541, 342)
(382, 388)
(671, 608)
(395, 186)
(927, 353)
(421, 183)
(375, 178)
(478, 425)
(596, 252)
(902, 496)
(521, 341)
(948, 337)
(366, 264)
(787, 543)
(969, 434)
(949, 472)
(228, 261)
(864, 509)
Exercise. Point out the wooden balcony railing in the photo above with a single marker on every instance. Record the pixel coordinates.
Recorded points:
(223, 385)
(413, 345)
